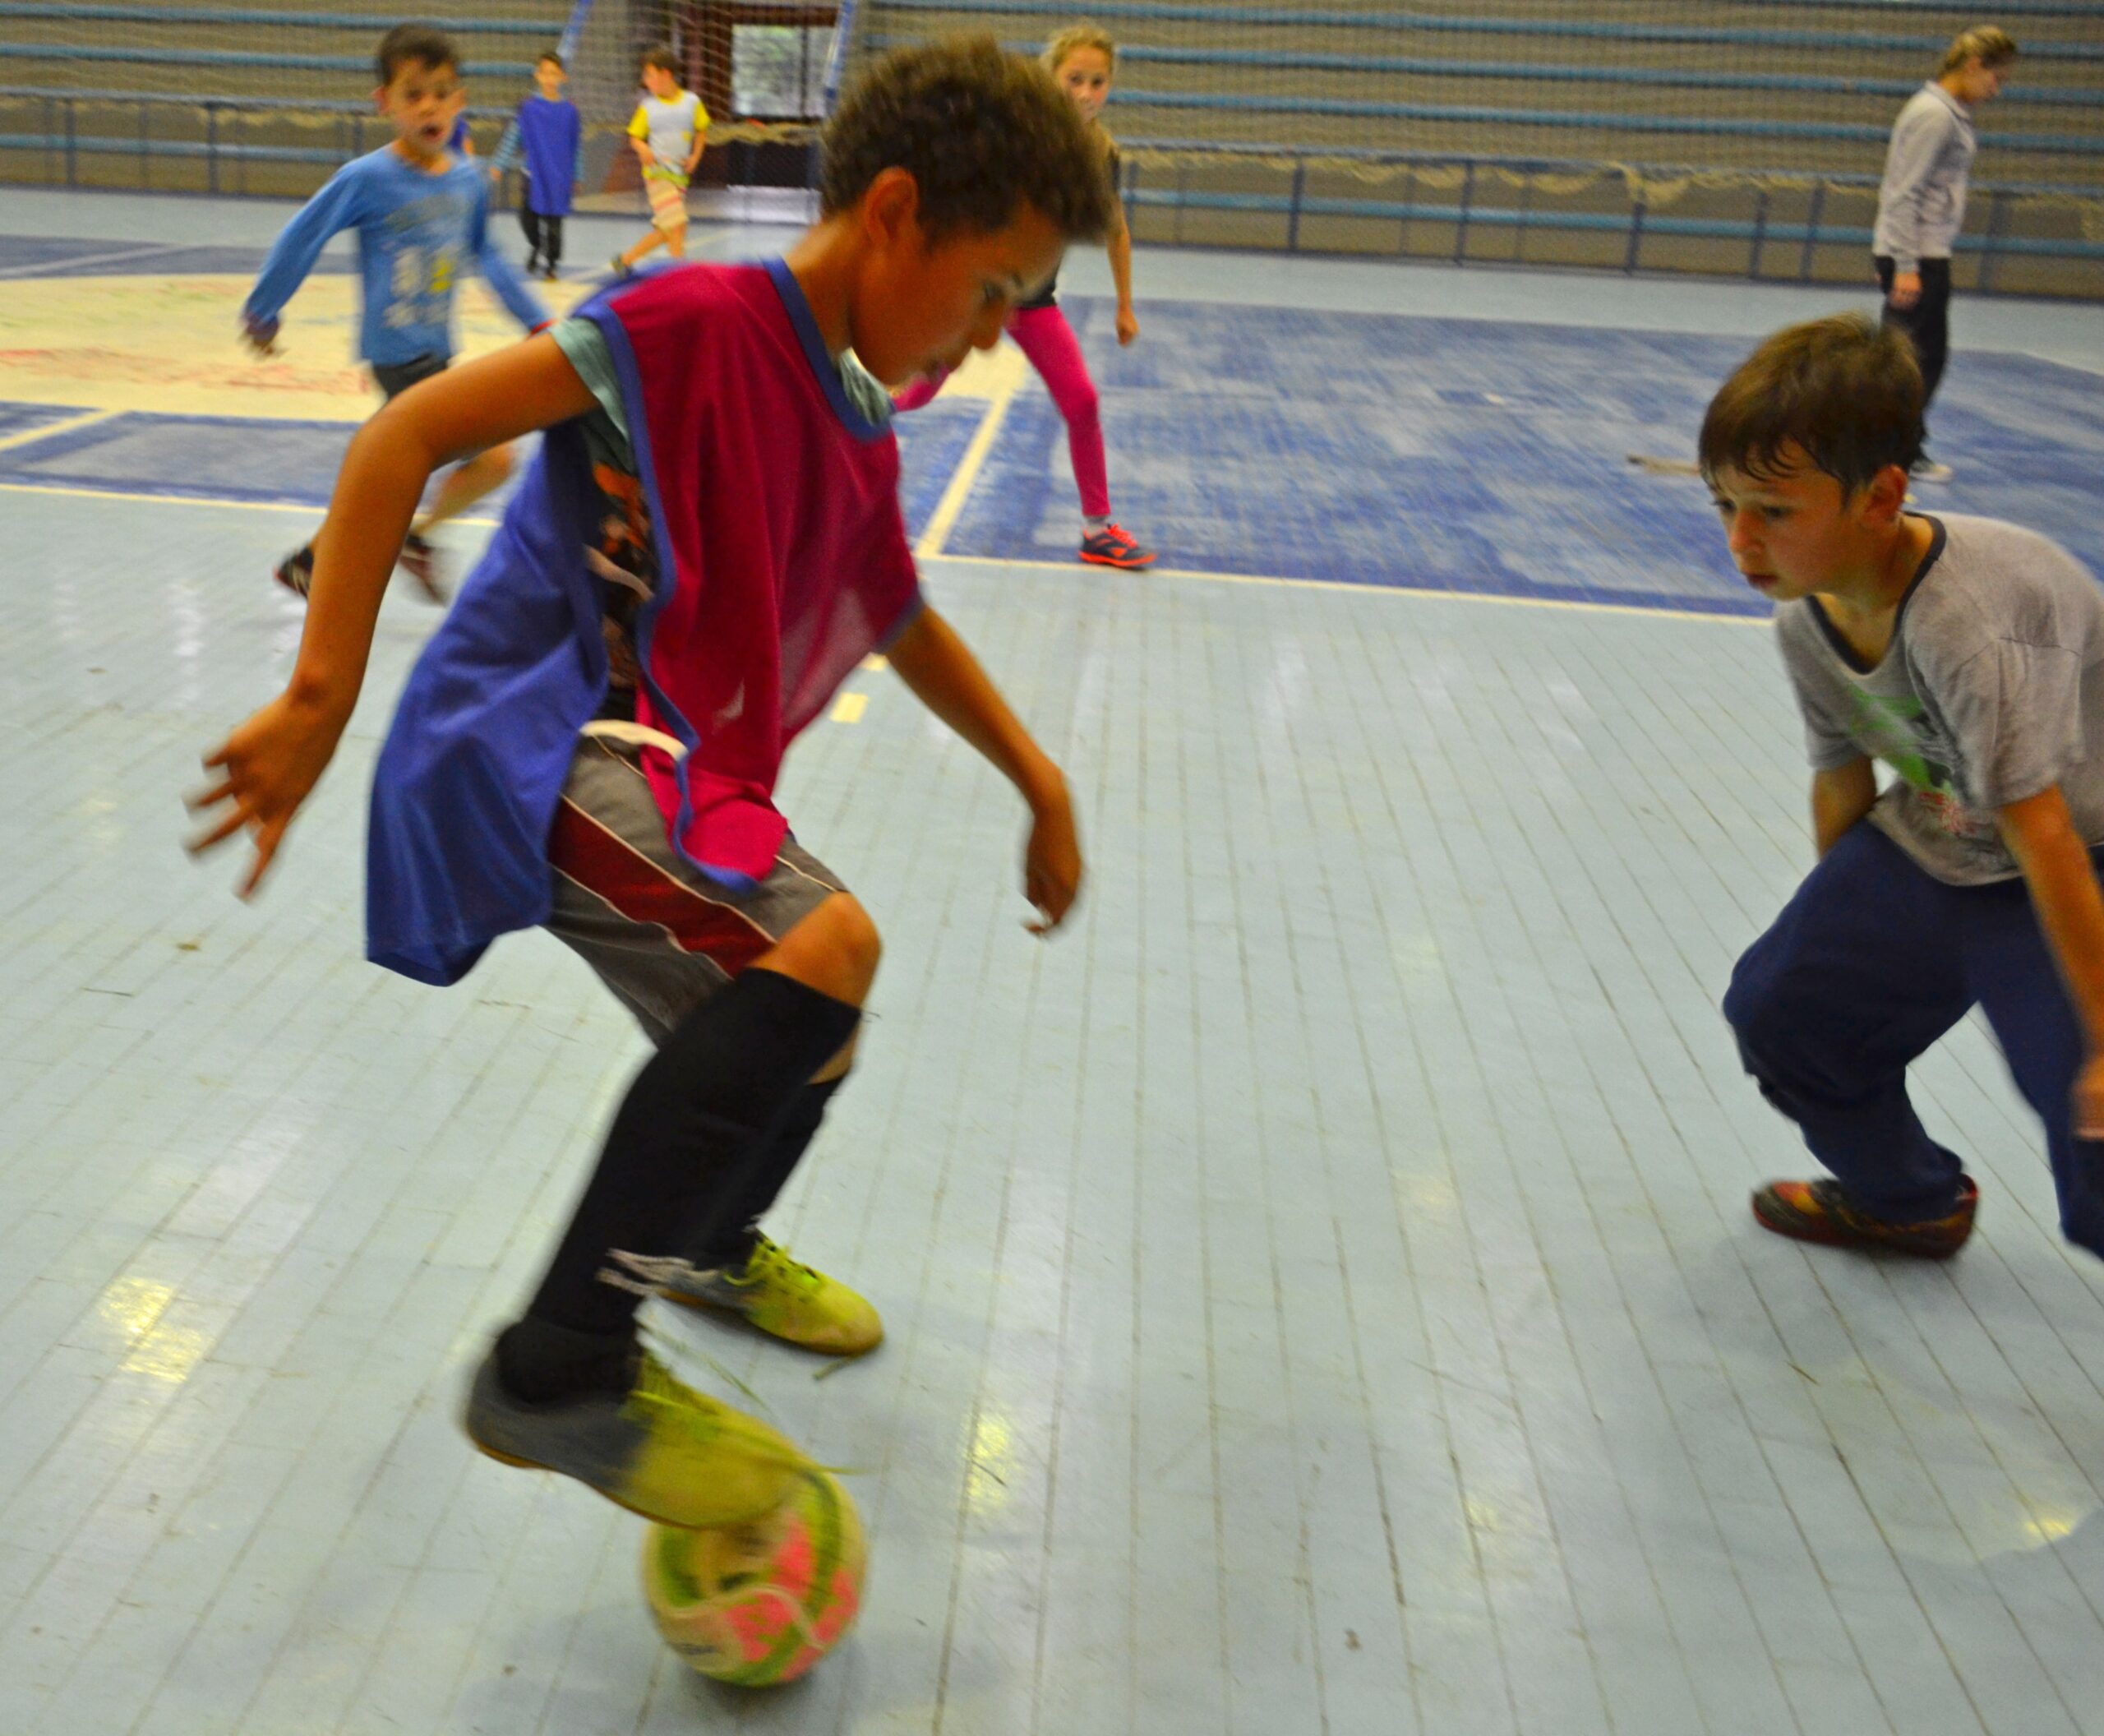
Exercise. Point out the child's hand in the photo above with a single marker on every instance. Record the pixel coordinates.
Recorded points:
(271, 762)
(1128, 325)
(1052, 863)
(2089, 1099)
(259, 335)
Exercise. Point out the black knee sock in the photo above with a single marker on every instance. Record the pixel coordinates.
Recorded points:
(717, 1085)
(539, 1360)
(731, 1233)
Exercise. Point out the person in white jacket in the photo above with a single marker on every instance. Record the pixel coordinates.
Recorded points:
(1921, 206)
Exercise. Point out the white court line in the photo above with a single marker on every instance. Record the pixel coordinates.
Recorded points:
(308, 507)
(29, 436)
(1419, 592)
(59, 268)
(930, 547)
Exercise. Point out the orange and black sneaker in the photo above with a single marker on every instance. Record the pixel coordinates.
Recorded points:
(1820, 1211)
(1111, 546)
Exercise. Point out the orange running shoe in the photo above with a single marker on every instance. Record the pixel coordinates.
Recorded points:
(1820, 1211)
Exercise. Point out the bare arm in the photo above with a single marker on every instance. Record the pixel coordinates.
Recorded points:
(2056, 865)
(946, 678)
(1119, 246)
(1840, 798)
(2062, 880)
(273, 760)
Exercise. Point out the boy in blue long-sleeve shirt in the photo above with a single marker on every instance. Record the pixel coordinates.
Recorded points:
(421, 213)
(545, 141)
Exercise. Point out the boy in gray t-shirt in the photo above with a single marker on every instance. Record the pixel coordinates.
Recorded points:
(1968, 655)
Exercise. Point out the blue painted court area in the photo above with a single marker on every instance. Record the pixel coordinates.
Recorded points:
(1477, 457)
(46, 256)
(227, 458)
(18, 419)
(1466, 456)
(267, 461)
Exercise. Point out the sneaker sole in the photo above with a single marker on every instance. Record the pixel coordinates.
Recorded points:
(1798, 1230)
(553, 1471)
(706, 1305)
(1122, 566)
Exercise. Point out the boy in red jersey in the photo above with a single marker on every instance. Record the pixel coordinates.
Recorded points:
(709, 541)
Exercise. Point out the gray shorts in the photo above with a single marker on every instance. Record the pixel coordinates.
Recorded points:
(661, 936)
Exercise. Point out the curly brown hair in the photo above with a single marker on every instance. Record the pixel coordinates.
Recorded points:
(982, 131)
(1845, 389)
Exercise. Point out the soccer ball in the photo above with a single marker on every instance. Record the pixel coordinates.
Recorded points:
(758, 1604)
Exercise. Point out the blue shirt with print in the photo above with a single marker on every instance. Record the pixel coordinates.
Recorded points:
(417, 232)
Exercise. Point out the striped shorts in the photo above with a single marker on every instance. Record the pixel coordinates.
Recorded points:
(668, 203)
(657, 933)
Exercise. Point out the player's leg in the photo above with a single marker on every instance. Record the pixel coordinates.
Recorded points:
(296, 572)
(551, 246)
(734, 1265)
(745, 1020)
(1857, 976)
(1049, 342)
(1926, 323)
(1931, 330)
(465, 483)
(630, 258)
(668, 214)
(529, 222)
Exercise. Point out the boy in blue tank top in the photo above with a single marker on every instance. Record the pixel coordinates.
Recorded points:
(421, 213)
(545, 143)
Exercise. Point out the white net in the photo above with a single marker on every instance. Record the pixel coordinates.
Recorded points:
(1744, 136)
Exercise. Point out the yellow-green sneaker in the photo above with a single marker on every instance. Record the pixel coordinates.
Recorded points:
(661, 1450)
(783, 1296)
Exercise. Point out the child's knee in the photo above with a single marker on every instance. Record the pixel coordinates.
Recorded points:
(861, 947)
(835, 949)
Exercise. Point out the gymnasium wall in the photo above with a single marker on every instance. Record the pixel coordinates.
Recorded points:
(1712, 136)
(1721, 138)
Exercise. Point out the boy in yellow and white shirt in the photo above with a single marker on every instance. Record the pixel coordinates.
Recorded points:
(668, 131)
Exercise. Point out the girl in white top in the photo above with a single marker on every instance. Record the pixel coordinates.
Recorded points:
(1921, 207)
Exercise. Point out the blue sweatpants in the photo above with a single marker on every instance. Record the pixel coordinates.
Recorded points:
(1868, 965)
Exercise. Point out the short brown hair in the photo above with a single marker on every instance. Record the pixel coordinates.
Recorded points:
(982, 131)
(550, 55)
(1081, 35)
(414, 42)
(663, 58)
(1988, 44)
(1845, 389)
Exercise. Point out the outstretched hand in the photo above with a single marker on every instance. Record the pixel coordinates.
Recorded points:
(269, 763)
(1052, 864)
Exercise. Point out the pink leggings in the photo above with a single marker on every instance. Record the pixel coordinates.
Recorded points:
(1043, 335)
